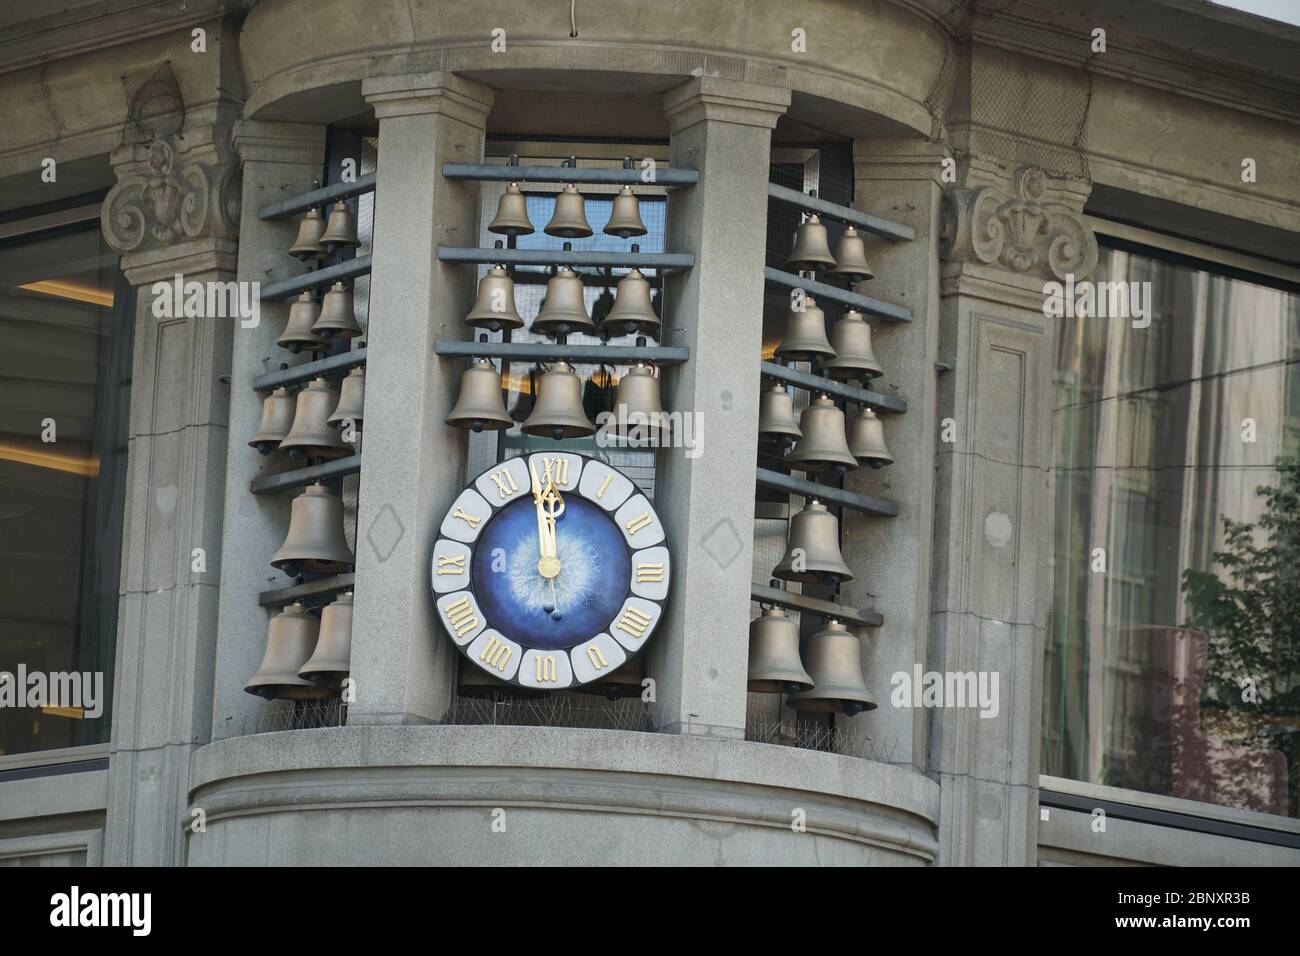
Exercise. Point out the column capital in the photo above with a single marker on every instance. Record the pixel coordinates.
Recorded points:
(725, 101)
(900, 158)
(264, 142)
(436, 92)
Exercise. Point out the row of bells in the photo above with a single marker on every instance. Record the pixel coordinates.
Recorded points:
(821, 438)
(564, 309)
(318, 239)
(305, 658)
(846, 355)
(826, 678)
(569, 220)
(313, 324)
(812, 251)
(309, 425)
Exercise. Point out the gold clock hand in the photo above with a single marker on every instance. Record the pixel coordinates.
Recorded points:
(548, 565)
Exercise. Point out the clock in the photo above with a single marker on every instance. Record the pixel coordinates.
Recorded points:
(550, 570)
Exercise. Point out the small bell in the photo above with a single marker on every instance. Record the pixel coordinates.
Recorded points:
(479, 405)
(638, 411)
(337, 315)
(565, 307)
(570, 218)
(823, 444)
(625, 218)
(512, 214)
(851, 340)
(308, 244)
(811, 250)
(311, 436)
(277, 420)
(776, 413)
(290, 640)
(558, 411)
(494, 309)
(774, 664)
(834, 656)
(805, 334)
(632, 310)
(867, 439)
(315, 543)
(813, 550)
(352, 399)
(851, 257)
(298, 332)
(331, 661)
(341, 232)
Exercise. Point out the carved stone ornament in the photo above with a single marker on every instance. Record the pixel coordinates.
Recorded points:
(1021, 230)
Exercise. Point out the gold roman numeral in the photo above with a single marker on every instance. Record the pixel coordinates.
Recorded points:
(597, 659)
(633, 622)
(502, 479)
(545, 668)
(557, 470)
(651, 572)
(639, 522)
(452, 564)
(471, 520)
(496, 654)
(604, 485)
(461, 616)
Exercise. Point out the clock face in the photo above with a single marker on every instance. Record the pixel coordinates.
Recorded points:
(550, 570)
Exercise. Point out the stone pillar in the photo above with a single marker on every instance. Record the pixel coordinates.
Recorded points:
(1004, 237)
(280, 160)
(723, 128)
(172, 213)
(412, 464)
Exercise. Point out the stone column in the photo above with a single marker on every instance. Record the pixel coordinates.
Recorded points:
(412, 465)
(723, 128)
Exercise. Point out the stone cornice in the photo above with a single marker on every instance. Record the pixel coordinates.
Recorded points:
(436, 92)
(297, 143)
(725, 101)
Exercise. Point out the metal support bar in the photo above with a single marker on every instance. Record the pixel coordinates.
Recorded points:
(829, 386)
(302, 477)
(286, 208)
(309, 370)
(487, 172)
(830, 210)
(311, 592)
(288, 288)
(545, 352)
(801, 602)
(826, 494)
(821, 290)
(663, 261)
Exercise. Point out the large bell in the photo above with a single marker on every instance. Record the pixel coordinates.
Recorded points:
(867, 439)
(851, 340)
(813, 549)
(569, 221)
(494, 309)
(315, 543)
(352, 399)
(337, 314)
(331, 661)
(774, 664)
(341, 232)
(479, 405)
(290, 640)
(311, 435)
(811, 249)
(851, 257)
(823, 444)
(512, 214)
(565, 307)
(633, 311)
(834, 657)
(558, 411)
(805, 333)
(308, 244)
(298, 332)
(277, 420)
(625, 218)
(638, 410)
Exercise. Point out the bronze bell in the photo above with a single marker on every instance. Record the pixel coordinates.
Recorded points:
(331, 661)
(823, 443)
(776, 413)
(290, 640)
(774, 664)
(834, 656)
(851, 340)
(565, 307)
(813, 550)
(632, 310)
(569, 221)
(638, 410)
(298, 330)
(867, 439)
(311, 436)
(352, 399)
(494, 309)
(558, 411)
(479, 405)
(341, 232)
(625, 218)
(851, 257)
(315, 543)
(308, 244)
(277, 420)
(337, 315)
(512, 214)
(811, 250)
(805, 334)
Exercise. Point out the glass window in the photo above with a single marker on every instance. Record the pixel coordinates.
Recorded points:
(1174, 667)
(65, 370)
